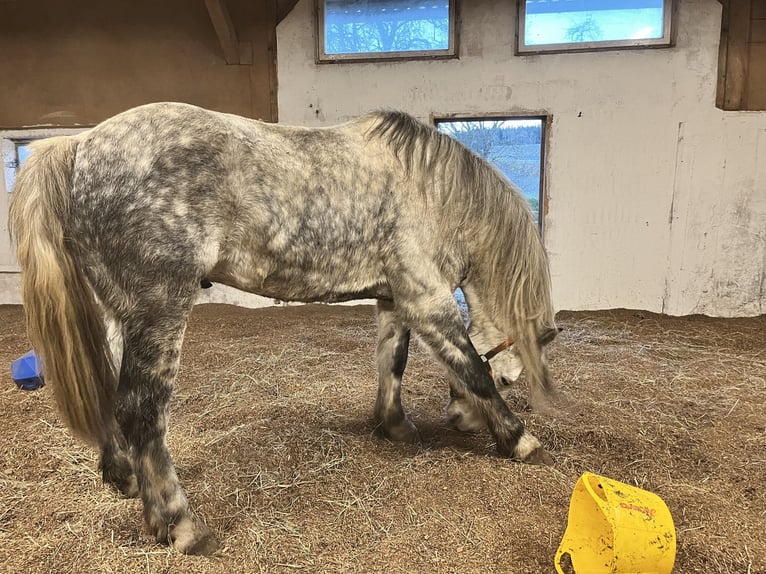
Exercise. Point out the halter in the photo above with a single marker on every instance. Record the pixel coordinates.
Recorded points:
(486, 357)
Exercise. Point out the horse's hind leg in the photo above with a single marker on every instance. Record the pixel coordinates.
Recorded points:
(149, 366)
(117, 468)
(393, 345)
(115, 465)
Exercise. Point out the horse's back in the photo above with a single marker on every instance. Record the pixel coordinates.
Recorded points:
(290, 212)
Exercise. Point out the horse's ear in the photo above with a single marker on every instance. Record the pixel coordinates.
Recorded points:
(548, 336)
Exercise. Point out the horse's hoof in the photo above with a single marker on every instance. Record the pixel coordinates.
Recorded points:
(403, 431)
(191, 536)
(530, 451)
(463, 416)
(539, 456)
(121, 477)
(129, 489)
(205, 546)
(467, 424)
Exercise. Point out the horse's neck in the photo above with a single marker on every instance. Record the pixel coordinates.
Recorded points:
(482, 324)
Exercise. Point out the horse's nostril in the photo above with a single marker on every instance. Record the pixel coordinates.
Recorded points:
(505, 381)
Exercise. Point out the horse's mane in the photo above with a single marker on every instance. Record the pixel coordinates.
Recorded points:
(479, 201)
(417, 145)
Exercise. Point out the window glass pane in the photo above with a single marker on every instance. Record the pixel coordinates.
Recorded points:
(22, 152)
(14, 153)
(580, 21)
(514, 146)
(378, 26)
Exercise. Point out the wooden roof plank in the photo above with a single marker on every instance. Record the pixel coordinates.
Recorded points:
(224, 29)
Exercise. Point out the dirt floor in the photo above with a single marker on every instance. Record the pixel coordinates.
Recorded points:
(272, 437)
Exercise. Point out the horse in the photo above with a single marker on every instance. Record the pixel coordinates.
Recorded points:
(118, 227)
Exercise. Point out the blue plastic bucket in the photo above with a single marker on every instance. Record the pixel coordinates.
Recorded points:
(27, 372)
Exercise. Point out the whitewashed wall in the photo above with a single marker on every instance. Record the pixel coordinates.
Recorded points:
(657, 200)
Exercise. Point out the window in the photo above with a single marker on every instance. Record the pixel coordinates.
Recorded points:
(14, 147)
(513, 144)
(579, 25)
(22, 151)
(14, 154)
(365, 30)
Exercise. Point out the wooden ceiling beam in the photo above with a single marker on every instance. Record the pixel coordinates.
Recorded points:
(224, 29)
(284, 7)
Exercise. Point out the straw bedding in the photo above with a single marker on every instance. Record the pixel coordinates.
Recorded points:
(272, 437)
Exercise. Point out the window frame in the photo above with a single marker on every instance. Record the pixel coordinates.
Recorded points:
(666, 41)
(322, 57)
(10, 140)
(546, 121)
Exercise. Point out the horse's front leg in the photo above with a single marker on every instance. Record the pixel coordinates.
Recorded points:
(393, 347)
(437, 320)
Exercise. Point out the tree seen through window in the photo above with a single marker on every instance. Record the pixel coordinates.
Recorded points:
(379, 26)
(514, 146)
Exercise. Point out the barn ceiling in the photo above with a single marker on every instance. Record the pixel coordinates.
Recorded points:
(283, 8)
(227, 33)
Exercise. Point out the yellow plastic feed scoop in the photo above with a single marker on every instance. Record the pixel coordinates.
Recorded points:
(616, 528)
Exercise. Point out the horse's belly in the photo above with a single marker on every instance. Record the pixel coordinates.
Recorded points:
(323, 286)
(325, 283)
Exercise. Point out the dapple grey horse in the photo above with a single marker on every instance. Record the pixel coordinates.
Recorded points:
(118, 226)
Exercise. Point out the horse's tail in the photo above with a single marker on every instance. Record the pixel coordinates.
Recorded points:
(64, 321)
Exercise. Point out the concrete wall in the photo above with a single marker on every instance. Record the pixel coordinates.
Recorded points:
(656, 199)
